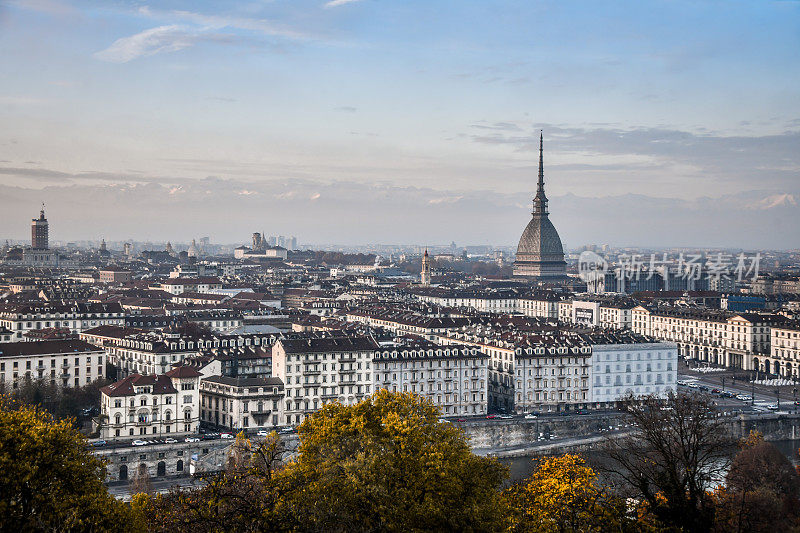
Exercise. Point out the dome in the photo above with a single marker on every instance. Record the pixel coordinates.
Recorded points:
(539, 240)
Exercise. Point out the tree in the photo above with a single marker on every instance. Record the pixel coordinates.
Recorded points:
(563, 495)
(388, 464)
(762, 491)
(48, 478)
(245, 497)
(680, 449)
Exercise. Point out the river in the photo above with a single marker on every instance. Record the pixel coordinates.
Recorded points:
(522, 467)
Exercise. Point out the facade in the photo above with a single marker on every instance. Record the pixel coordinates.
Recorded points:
(552, 374)
(784, 359)
(639, 368)
(113, 275)
(178, 286)
(66, 363)
(23, 318)
(318, 370)
(738, 340)
(454, 378)
(540, 254)
(137, 406)
(241, 403)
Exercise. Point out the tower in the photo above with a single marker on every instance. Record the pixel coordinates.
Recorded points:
(40, 232)
(425, 275)
(540, 254)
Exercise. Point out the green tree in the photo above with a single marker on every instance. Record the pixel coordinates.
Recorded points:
(388, 464)
(49, 481)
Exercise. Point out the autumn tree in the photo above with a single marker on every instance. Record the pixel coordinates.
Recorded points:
(245, 497)
(388, 464)
(49, 481)
(563, 495)
(677, 453)
(762, 491)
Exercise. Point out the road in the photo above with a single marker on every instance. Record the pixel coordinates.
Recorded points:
(122, 489)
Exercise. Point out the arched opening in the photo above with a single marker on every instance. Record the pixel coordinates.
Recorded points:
(161, 469)
(123, 472)
(766, 366)
(179, 466)
(142, 470)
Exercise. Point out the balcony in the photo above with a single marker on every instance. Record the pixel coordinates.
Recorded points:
(347, 359)
(349, 371)
(311, 372)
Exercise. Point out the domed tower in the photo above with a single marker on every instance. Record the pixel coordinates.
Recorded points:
(539, 253)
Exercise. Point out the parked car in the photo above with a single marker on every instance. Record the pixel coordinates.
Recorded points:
(225, 436)
(99, 443)
(461, 420)
(170, 440)
(138, 442)
(191, 439)
(491, 417)
(715, 391)
(693, 385)
(773, 407)
(287, 429)
(744, 397)
(530, 416)
(703, 388)
(262, 433)
(506, 417)
(727, 394)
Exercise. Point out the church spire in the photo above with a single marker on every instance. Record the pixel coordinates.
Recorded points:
(540, 200)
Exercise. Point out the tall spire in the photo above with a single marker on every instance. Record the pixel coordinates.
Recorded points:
(540, 200)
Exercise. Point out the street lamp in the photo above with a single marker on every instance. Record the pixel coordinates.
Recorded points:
(778, 397)
(794, 397)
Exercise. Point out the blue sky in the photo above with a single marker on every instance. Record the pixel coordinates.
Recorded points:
(310, 118)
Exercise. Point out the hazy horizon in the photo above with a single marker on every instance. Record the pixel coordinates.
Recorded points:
(668, 124)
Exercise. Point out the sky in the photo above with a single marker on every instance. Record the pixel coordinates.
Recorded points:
(666, 123)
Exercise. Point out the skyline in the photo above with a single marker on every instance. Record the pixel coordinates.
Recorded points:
(369, 121)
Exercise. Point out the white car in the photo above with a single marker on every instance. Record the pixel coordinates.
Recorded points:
(262, 433)
(693, 385)
(773, 407)
(191, 439)
(530, 416)
(225, 436)
(287, 429)
(170, 440)
(138, 442)
(744, 397)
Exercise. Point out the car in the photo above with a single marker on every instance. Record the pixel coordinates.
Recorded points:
(210, 436)
(461, 420)
(99, 443)
(443, 420)
(491, 417)
(682, 382)
(715, 391)
(581, 412)
(744, 397)
(506, 417)
(773, 407)
(191, 439)
(727, 394)
(703, 388)
(225, 436)
(693, 385)
(531, 416)
(139, 442)
(170, 440)
(287, 429)
(262, 433)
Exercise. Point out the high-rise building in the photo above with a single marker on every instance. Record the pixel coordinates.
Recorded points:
(39, 232)
(540, 254)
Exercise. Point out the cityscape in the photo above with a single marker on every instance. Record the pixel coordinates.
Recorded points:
(543, 324)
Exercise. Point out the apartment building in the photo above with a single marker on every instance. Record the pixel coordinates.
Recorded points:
(166, 405)
(784, 358)
(316, 370)
(66, 363)
(454, 378)
(19, 319)
(242, 403)
(738, 340)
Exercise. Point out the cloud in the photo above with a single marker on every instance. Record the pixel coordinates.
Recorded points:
(337, 3)
(346, 109)
(153, 41)
(777, 200)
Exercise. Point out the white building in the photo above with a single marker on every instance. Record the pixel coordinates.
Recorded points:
(164, 405)
(454, 378)
(22, 318)
(318, 370)
(784, 358)
(639, 368)
(66, 363)
(237, 403)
